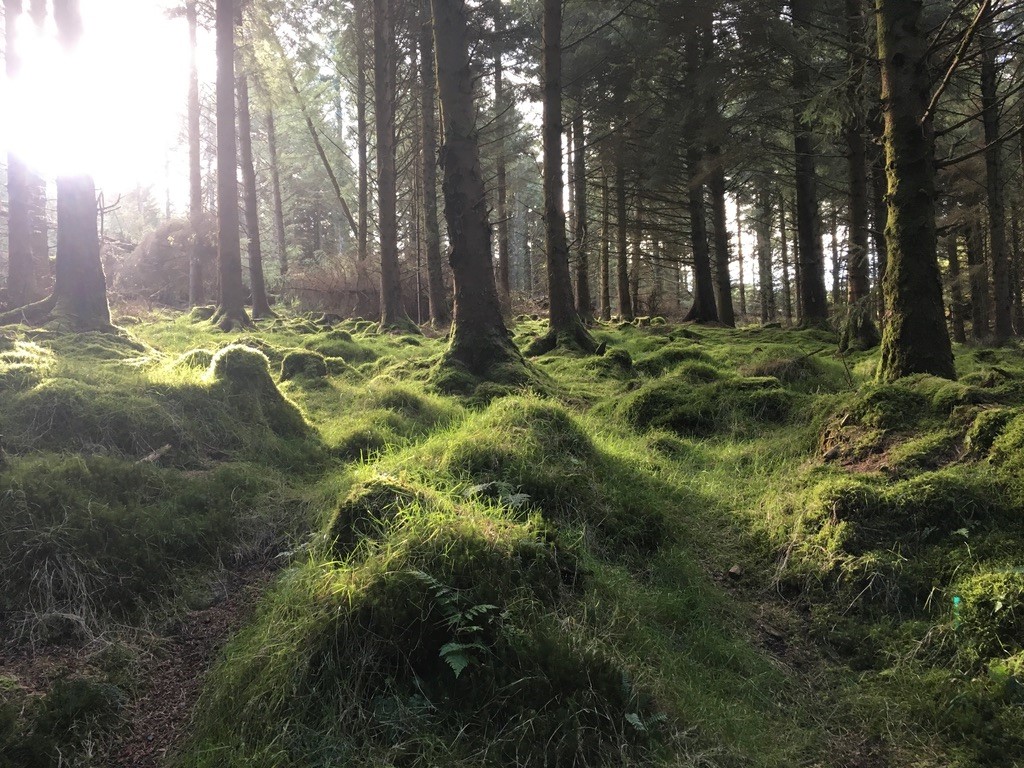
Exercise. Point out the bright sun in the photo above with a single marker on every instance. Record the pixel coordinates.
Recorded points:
(112, 107)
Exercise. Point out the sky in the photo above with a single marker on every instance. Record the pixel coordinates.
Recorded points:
(114, 107)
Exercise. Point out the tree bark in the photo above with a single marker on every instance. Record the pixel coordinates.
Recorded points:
(703, 309)
(915, 339)
(787, 289)
(622, 253)
(606, 238)
(978, 278)
(504, 289)
(723, 278)
(739, 249)
(384, 95)
(812, 261)
(956, 291)
(766, 278)
(275, 183)
(80, 289)
(231, 311)
(480, 341)
(1003, 296)
(257, 282)
(436, 291)
(565, 326)
(196, 287)
(584, 302)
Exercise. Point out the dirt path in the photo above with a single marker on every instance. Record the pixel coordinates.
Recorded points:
(154, 721)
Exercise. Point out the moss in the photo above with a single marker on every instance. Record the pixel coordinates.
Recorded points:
(370, 508)
(930, 451)
(244, 374)
(339, 343)
(445, 633)
(986, 428)
(989, 617)
(195, 359)
(790, 370)
(888, 406)
(668, 357)
(202, 314)
(677, 405)
(303, 364)
(1008, 448)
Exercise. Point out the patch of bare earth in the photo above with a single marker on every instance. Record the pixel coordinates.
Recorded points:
(171, 675)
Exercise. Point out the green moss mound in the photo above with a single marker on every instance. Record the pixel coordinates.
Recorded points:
(303, 364)
(195, 359)
(536, 448)
(695, 409)
(989, 615)
(339, 343)
(669, 356)
(370, 509)
(438, 647)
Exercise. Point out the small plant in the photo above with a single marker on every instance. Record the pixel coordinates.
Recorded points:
(468, 624)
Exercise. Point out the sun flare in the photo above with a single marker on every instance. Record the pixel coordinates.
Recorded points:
(112, 106)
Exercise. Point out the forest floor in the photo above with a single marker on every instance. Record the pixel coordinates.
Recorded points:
(305, 545)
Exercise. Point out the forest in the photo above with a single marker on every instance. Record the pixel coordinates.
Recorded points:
(542, 383)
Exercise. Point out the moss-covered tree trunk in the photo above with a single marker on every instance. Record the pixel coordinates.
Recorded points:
(436, 291)
(564, 322)
(977, 269)
(765, 272)
(915, 339)
(231, 310)
(80, 289)
(480, 342)
(254, 248)
(787, 288)
(740, 259)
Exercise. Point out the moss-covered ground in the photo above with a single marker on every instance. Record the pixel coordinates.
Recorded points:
(707, 547)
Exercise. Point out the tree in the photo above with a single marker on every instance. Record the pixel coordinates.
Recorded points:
(915, 339)
(79, 298)
(384, 96)
(436, 291)
(196, 291)
(565, 326)
(479, 342)
(231, 310)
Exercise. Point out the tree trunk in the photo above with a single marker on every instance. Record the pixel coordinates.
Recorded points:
(812, 260)
(787, 289)
(739, 249)
(622, 255)
(231, 311)
(703, 309)
(915, 339)
(480, 341)
(504, 289)
(836, 269)
(584, 303)
(606, 238)
(564, 322)
(978, 276)
(275, 183)
(1016, 282)
(638, 255)
(766, 278)
(196, 287)
(723, 278)
(257, 283)
(1003, 296)
(80, 290)
(956, 291)
(879, 207)
(436, 292)
(384, 95)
